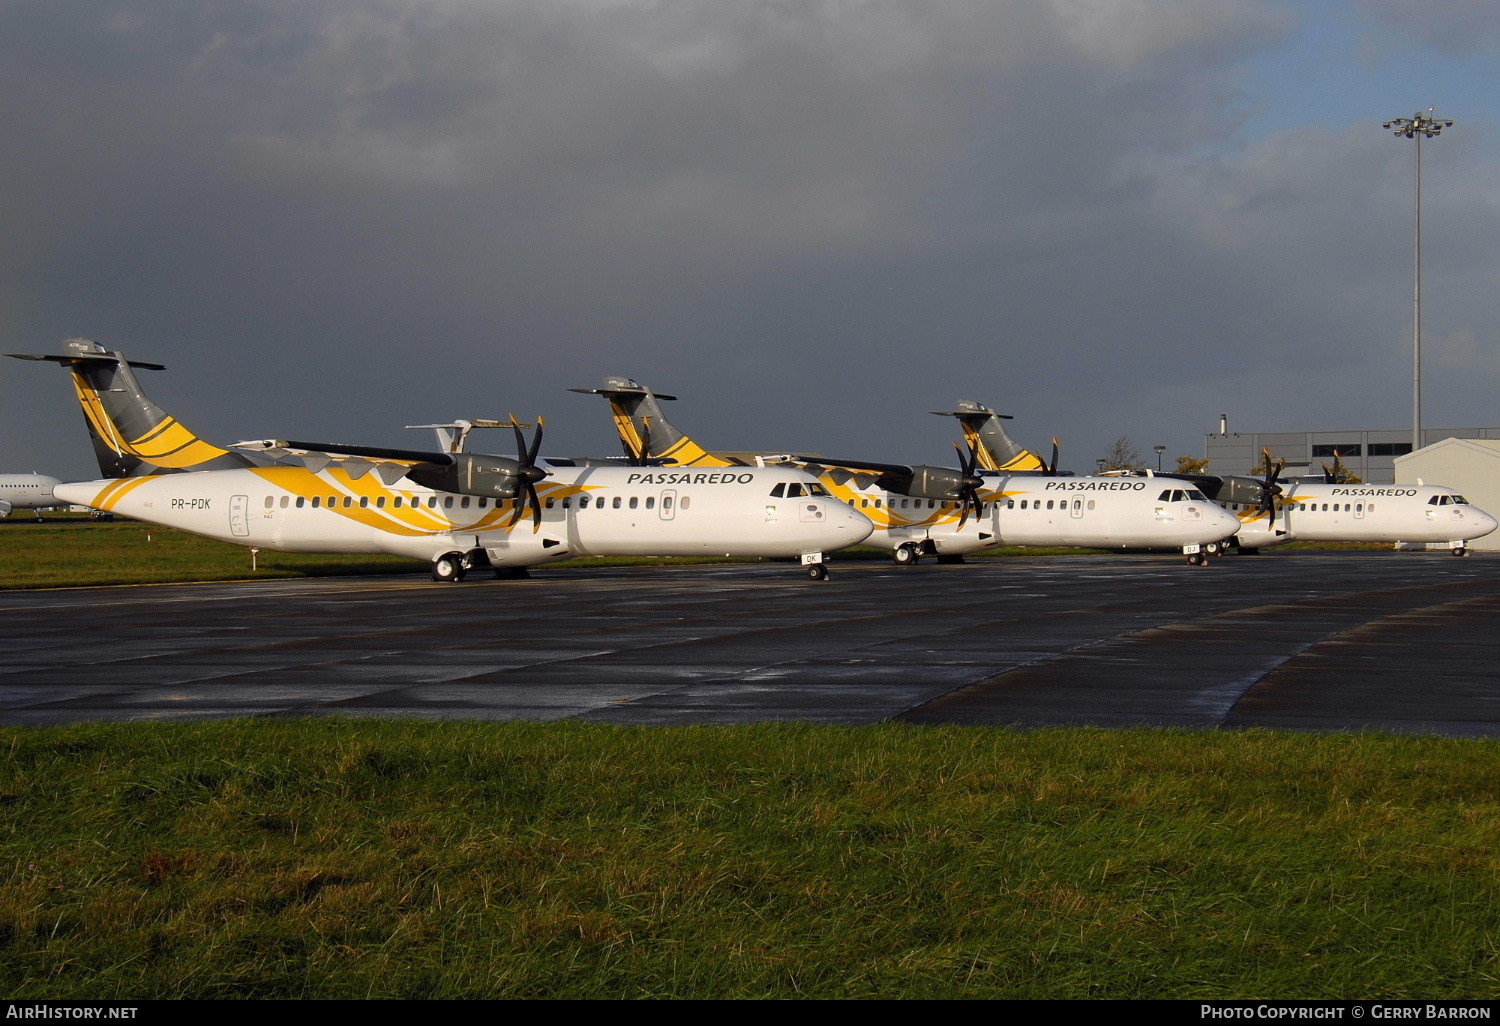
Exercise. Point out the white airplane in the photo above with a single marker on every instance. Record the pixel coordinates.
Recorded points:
(27, 491)
(1272, 511)
(1334, 510)
(458, 510)
(939, 511)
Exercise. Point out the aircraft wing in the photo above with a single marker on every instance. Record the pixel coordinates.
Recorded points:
(879, 468)
(370, 452)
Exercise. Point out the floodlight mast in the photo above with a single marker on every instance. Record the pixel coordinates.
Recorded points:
(1417, 127)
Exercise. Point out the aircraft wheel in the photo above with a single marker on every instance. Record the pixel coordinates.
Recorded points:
(1213, 548)
(1460, 550)
(448, 568)
(1195, 559)
(905, 555)
(817, 572)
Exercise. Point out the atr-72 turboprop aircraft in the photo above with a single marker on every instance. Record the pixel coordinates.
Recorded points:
(923, 510)
(459, 510)
(1272, 511)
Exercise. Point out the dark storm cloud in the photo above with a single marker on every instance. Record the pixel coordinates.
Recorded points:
(814, 221)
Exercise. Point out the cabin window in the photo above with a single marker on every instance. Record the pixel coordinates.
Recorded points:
(1078, 504)
(1010, 503)
(1049, 503)
(687, 501)
(633, 501)
(300, 500)
(567, 502)
(1303, 506)
(616, 503)
(485, 502)
(1091, 504)
(315, 501)
(286, 500)
(666, 502)
(464, 502)
(877, 503)
(270, 501)
(1359, 507)
(380, 502)
(447, 502)
(364, 502)
(1370, 508)
(779, 492)
(599, 502)
(864, 503)
(650, 502)
(549, 502)
(348, 501)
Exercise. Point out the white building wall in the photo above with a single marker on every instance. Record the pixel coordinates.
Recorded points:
(1469, 465)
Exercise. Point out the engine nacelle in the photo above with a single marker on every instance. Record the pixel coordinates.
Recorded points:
(471, 474)
(1244, 490)
(930, 483)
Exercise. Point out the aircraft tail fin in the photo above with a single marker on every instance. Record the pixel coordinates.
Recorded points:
(132, 436)
(986, 436)
(644, 429)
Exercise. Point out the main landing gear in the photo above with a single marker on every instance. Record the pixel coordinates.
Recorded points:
(449, 568)
(906, 555)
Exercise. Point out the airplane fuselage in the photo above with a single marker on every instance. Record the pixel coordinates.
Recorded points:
(1029, 509)
(27, 491)
(1365, 512)
(586, 511)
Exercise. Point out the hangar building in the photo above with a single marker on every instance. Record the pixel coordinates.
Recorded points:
(1370, 454)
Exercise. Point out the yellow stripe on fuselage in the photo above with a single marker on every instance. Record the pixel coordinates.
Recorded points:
(410, 519)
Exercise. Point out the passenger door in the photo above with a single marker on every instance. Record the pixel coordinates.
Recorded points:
(239, 516)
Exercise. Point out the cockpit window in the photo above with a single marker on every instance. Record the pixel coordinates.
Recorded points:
(1194, 493)
(816, 489)
(1459, 500)
(1165, 496)
(779, 492)
(793, 491)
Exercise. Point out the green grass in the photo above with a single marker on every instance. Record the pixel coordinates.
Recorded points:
(71, 551)
(324, 858)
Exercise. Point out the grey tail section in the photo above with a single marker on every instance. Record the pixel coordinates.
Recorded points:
(644, 429)
(132, 436)
(984, 431)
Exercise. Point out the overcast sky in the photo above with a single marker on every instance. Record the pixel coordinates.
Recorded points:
(813, 221)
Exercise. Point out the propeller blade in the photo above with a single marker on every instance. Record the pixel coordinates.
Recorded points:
(1052, 469)
(536, 507)
(536, 443)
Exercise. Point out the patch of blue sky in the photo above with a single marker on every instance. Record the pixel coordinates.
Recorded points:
(1341, 67)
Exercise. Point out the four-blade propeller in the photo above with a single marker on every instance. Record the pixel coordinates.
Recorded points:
(1270, 491)
(528, 473)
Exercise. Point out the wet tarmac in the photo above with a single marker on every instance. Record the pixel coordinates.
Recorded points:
(1318, 641)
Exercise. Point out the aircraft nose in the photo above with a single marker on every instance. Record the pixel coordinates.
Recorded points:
(852, 525)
